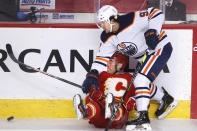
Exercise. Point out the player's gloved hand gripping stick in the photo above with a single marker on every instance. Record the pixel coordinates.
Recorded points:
(123, 97)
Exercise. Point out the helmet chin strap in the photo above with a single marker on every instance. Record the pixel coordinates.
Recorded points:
(111, 25)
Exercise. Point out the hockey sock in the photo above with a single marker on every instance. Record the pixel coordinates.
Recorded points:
(157, 93)
(142, 92)
(142, 104)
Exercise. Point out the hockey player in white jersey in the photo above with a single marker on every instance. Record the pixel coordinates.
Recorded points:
(133, 34)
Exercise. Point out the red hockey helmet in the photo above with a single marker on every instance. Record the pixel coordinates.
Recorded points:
(121, 58)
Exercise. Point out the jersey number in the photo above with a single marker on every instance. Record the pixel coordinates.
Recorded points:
(144, 13)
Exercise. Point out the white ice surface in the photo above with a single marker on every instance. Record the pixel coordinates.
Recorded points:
(82, 125)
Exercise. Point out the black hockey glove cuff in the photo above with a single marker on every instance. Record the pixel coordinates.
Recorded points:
(91, 80)
(151, 38)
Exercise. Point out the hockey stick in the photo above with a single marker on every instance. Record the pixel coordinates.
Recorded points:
(126, 91)
(11, 54)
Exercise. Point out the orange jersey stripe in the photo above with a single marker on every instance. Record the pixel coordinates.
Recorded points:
(151, 15)
(108, 39)
(161, 35)
(152, 89)
(151, 61)
(102, 59)
(142, 92)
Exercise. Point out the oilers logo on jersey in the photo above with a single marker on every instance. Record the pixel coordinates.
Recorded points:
(127, 48)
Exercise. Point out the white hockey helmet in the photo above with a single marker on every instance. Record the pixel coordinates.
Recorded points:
(105, 12)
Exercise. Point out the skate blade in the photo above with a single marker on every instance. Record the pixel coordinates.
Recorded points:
(76, 102)
(108, 101)
(143, 127)
(173, 105)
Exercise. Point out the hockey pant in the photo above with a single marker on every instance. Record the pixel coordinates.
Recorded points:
(96, 113)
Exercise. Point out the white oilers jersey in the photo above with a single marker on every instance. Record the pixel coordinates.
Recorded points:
(130, 39)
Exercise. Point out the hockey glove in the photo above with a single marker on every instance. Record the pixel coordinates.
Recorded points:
(151, 38)
(91, 80)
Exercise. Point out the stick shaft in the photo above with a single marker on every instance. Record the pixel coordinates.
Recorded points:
(11, 54)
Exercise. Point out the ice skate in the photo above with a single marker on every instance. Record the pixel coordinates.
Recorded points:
(167, 105)
(80, 110)
(108, 105)
(142, 123)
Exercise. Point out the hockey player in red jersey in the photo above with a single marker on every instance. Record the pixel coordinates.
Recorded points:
(133, 34)
(99, 104)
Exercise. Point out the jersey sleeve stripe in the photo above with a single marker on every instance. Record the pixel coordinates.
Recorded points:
(152, 14)
(101, 63)
(152, 10)
(156, 15)
(161, 35)
(130, 24)
(102, 59)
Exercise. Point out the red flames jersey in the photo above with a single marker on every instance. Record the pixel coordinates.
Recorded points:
(109, 83)
(116, 84)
